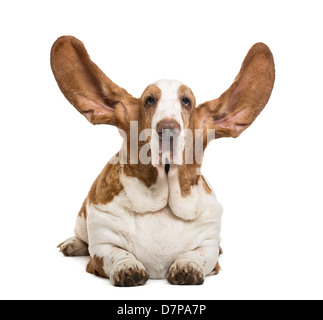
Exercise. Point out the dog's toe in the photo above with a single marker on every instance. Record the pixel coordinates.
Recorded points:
(129, 275)
(185, 273)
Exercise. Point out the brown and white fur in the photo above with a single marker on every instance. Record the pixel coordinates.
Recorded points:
(151, 220)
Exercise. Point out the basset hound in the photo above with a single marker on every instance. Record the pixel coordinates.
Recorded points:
(150, 213)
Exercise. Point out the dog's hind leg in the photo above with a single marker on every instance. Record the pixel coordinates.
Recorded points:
(73, 247)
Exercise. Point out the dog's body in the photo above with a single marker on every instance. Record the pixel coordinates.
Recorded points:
(141, 222)
(157, 219)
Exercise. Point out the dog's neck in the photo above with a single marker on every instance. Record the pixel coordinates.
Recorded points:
(188, 174)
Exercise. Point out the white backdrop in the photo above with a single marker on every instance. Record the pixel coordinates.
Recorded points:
(269, 180)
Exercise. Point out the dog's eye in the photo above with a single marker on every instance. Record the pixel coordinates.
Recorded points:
(150, 101)
(186, 102)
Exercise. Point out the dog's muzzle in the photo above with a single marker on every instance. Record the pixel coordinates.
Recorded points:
(169, 139)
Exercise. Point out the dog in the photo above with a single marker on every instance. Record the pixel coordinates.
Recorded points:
(150, 213)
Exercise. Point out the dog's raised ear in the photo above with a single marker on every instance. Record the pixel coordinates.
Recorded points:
(239, 106)
(87, 88)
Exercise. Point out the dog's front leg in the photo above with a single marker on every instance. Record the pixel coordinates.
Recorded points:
(108, 247)
(190, 268)
(120, 266)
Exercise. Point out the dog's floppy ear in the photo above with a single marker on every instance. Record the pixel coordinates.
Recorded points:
(86, 87)
(239, 106)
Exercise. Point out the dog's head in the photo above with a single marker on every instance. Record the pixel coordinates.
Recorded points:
(164, 124)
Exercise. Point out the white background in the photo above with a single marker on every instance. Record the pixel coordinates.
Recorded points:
(269, 180)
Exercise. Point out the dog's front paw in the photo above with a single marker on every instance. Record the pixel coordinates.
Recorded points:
(185, 273)
(129, 274)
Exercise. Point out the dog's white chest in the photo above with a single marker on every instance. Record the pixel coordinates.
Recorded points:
(159, 237)
(138, 198)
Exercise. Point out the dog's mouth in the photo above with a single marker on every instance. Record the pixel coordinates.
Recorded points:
(169, 146)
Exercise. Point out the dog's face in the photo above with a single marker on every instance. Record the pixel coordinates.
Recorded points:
(166, 114)
(166, 108)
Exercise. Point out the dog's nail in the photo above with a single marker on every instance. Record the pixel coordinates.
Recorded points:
(116, 277)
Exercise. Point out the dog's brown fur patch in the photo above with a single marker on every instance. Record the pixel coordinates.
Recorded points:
(83, 212)
(146, 173)
(187, 177)
(216, 269)
(206, 186)
(107, 185)
(95, 266)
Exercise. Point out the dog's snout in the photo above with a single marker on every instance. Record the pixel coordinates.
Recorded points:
(168, 124)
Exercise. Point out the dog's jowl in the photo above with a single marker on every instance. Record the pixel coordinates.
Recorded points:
(150, 213)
